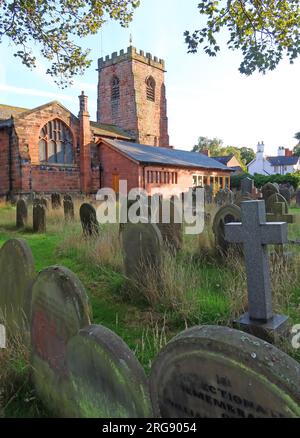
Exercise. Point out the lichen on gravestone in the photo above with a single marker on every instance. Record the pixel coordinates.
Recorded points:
(219, 372)
(17, 273)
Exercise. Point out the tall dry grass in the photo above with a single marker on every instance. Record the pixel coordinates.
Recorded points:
(14, 370)
(101, 249)
(154, 339)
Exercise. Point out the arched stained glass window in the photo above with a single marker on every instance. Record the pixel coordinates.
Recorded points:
(42, 150)
(56, 143)
(150, 88)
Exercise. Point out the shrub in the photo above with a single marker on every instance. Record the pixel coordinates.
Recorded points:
(235, 180)
(260, 180)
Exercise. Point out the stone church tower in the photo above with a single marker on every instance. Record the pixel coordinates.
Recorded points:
(132, 96)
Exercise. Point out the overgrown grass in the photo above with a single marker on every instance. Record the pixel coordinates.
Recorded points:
(196, 286)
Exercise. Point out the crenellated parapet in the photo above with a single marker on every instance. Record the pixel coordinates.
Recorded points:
(131, 54)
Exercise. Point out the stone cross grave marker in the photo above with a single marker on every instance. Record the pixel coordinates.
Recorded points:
(17, 274)
(247, 185)
(21, 214)
(255, 234)
(39, 218)
(142, 243)
(218, 372)
(89, 221)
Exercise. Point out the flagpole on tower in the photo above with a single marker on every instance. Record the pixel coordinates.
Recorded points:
(101, 43)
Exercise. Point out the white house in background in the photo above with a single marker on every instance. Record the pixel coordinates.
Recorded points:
(285, 162)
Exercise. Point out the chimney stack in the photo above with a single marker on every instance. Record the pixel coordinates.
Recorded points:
(281, 151)
(83, 104)
(288, 153)
(85, 144)
(206, 152)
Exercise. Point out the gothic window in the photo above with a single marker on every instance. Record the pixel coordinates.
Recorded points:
(115, 96)
(150, 88)
(115, 88)
(56, 143)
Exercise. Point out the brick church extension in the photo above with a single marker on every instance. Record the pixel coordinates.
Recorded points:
(48, 149)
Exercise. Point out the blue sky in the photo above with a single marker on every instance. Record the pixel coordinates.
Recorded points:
(206, 96)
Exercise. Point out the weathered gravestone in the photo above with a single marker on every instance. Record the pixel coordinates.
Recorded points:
(68, 210)
(292, 192)
(279, 214)
(21, 214)
(221, 198)
(247, 185)
(68, 197)
(171, 226)
(218, 372)
(229, 196)
(240, 197)
(224, 197)
(59, 310)
(107, 380)
(269, 189)
(226, 214)
(55, 201)
(285, 192)
(275, 199)
(255, 234)
(80, 370)
(39, 218)
(44, 202)
(142, 245)
(140, 207)
(298, 198)
(208, 194)
(88, 219)
(16, 277)
(36, 200)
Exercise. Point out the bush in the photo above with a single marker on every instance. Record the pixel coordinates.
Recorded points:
(290, 178)
(235, 180)
(260, 180)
